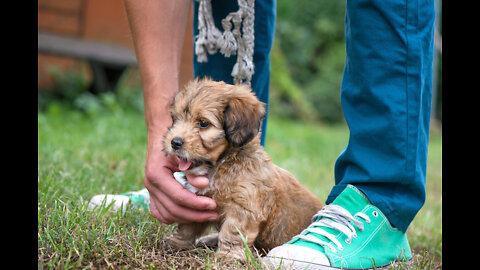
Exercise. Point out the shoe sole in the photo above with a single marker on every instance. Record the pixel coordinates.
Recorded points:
(284, 264)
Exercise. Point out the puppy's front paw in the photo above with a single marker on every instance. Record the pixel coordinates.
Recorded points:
(175, 243)
(236, 254)
(210, 240)
(184, 236)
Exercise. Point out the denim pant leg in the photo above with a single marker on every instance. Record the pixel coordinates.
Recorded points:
(386, 101)
(220, 67)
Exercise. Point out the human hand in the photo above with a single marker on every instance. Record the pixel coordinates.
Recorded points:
(169, 201)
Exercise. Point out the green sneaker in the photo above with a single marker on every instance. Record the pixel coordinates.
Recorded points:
(137, 199)
(349, 233)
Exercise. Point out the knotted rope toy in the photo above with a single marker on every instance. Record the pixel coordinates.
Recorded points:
(239, 40)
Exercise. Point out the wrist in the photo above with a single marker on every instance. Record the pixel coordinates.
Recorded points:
(157, 126)
(157, 100)
(157, 120)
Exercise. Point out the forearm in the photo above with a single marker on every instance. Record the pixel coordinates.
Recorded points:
(158, 30)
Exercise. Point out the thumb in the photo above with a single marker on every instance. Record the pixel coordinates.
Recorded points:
(198, 181)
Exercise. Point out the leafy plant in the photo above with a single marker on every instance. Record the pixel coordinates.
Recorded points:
(307, 59)
(71, 90)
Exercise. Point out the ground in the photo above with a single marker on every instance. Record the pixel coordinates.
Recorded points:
(83, 155)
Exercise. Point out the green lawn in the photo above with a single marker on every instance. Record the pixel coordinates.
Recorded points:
(80, 156)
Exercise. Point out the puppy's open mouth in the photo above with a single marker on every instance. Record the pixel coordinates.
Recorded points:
(188, 164)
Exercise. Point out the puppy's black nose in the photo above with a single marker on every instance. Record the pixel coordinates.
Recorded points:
(177, 143)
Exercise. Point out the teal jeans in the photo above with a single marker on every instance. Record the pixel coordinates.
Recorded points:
(386, 100)
(385, 96)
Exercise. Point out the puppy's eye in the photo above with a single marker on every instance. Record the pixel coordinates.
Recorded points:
(203, 124)
(174, 117)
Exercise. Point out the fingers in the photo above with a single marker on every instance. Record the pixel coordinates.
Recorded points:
(198, 181)
(170, 202)
(160, 213)
(159, 177)
(180, 214)
(180, 196)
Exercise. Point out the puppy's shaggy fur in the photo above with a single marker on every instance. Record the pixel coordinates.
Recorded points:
(215, 132)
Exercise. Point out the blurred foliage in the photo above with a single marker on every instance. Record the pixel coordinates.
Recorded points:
(71, 90)
(307, 60)
(289, 98)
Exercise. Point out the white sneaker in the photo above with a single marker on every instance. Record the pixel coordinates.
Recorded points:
(138, 199)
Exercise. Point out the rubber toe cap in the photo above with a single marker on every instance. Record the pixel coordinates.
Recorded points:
(294, 257)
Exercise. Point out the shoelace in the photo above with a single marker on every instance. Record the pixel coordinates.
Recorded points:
(337, 218)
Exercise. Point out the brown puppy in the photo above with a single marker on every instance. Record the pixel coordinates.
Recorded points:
(215, 132)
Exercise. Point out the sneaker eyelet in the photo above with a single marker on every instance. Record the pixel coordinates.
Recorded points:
(375, 214)
(348, 241)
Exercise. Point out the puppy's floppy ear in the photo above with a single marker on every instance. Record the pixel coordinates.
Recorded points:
(242, 117)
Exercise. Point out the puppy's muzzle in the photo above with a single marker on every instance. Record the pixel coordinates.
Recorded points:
(177, 143)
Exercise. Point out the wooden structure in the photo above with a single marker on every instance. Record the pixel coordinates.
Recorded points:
(107, 62)
(93, 38)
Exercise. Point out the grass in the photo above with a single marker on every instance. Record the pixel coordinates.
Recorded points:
(80, 156)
